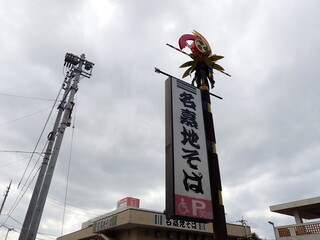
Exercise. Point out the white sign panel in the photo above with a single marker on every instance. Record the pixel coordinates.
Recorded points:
(192, 196)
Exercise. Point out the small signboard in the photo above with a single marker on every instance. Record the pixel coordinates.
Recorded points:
(128, 202)
(105, 223)
(161, 220)
(188, 191)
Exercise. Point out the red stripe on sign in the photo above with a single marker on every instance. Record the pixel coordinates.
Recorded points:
(186, 88)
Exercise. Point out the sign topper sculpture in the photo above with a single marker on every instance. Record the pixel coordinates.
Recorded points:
(203, 61)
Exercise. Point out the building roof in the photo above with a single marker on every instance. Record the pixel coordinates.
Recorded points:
(307, 208)
(129, 218)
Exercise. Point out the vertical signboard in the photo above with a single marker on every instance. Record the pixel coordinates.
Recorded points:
(188, 191)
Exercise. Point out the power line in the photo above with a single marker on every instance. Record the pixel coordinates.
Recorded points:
(13, 207)
(34, 98)
(34, 166)
(68, 172)
(19, 228)
(17, 151)
(56, 202)
(15, 220)
(29, 115)
(18, 199)
(45, 125)
(11, 163)
(10, 151)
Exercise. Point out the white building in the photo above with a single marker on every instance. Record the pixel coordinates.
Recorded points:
(303, 209)
(129, 222)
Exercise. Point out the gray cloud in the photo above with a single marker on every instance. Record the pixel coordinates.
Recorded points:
(267, 124)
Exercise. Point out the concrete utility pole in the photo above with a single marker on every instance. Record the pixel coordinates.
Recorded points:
(78, 67)
(5, 197)
(9, 229)
(244, 224)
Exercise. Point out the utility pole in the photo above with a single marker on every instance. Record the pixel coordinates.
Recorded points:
(5, 196)
(9, 229)
(244, 224)
(78, 67)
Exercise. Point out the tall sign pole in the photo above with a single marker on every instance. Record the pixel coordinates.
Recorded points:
(202, 64)
(219, 223)
(78, 66)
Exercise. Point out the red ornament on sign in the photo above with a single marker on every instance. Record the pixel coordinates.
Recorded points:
(199, 44)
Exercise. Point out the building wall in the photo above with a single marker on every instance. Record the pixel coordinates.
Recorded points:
(138, 224)
(306, 237)
(160, 234)
(305, 231)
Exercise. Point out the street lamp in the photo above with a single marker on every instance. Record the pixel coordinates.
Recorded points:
(274, 230)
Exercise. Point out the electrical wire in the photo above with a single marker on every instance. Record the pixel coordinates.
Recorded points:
(16, 151)
(11, 163)
(40, 233)
(18, 96)
(68, 171)
(21, 194)
(45, 125)
(36, 163)
(7, 225)
(24, 188)
(46, 235)
(18, 199)
(29, 115)
(8, 164)
(15, 220)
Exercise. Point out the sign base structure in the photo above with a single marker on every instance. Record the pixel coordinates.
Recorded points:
(188, 188)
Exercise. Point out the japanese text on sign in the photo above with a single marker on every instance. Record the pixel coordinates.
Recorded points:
(192, 185)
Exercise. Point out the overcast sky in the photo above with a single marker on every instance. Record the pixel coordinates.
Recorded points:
(267, 125)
